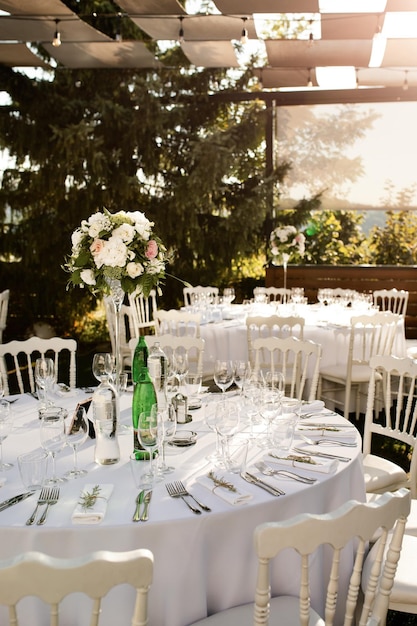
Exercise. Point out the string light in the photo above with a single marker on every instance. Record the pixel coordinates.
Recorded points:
(118, 35)
(357, 78)
(181, 31)
(244, 36)
(405, 84)
(311, 36)
(56, 41)
(309, 81)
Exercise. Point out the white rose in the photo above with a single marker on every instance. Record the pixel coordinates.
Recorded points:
(142, 225)
(134, 269)
(76, 238)
(126, 232)
(87, 276)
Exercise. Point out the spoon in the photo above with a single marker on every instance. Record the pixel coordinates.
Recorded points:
(330, 442)
(269, 471)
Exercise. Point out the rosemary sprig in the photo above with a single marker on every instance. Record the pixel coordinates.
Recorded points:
(220, 482)
(88, 499)
(295, 457)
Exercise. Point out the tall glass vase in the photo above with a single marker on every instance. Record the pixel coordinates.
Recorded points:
(285, 259)
(117, 296)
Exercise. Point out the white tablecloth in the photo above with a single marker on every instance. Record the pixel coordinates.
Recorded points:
(203, 563)
(324, 325)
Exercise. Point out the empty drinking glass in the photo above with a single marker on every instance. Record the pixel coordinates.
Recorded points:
(6, 423)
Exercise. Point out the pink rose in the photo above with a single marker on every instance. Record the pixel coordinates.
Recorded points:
(152, 249)
(96, 246)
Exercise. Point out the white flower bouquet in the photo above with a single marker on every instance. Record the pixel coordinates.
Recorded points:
(286, 244)
(116, 246)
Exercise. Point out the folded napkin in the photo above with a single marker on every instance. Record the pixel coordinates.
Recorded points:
(303, 462)
(328, 432)
(312, 407)
(95, 513)
(232, 497)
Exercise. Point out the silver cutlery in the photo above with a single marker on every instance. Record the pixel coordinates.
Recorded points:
(328, 442)
(50, 501)
(250, 478)
(183, 491)
(270, 471)
(174, 494)
(146, 500)
(323, 455)
(15, 499)
(139, 500)
(43, 497)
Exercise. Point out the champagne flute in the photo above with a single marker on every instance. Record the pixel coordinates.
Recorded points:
(148, 435)
(241, 372)
(180, 364)
(6, 422)
(76, 436)
(167, 427)
(102, 366)
(44, 378)
(52, 435)
(223, 375)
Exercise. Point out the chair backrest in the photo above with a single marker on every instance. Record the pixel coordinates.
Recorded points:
(143, 312)
(309, 534)
(391, 300)
(371, 335)
(52, 579)
(193, 346)
(274, 294)
(298, 360)
(272, 326)
(17, 361)
(178, 323)
(210, 294)
(4, 305)
(127, 329)
(395, 414)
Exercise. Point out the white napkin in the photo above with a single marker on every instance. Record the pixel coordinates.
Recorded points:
(96, 513)
(327, 432)
(313, 465)
(232, 497)
(312, 407)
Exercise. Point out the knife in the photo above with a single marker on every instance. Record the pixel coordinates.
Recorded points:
(323, 455)
(250, 478)
(15, 500)
(147, 499)
(139, 500)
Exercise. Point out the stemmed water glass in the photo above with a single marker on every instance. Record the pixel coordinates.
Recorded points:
(228, 295)
(241, 372)
(210, 421)
(76, 436)
(167, 426)
(180, 364)
(53, 438)
(102, 366)
(269, 410)
(148, 436)
(6, 422)
(44, 378)
(223, 375)
(227, 419)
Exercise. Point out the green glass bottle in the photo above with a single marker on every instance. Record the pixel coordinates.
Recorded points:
(144, 395)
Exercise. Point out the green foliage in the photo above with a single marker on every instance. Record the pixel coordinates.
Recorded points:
(396, 242)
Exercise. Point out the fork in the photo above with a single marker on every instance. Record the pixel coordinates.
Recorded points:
(51, 500)
(335, 442)
(270, 471)
(43, 498)
(175, 494)
(183, 491)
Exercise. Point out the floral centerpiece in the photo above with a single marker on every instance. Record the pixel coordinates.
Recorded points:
(286, 244)
(116, 247)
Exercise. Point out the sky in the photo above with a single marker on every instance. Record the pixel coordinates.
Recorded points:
(389, 152)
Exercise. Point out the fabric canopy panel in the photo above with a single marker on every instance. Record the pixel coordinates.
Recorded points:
(150, 7)
(386, 77)
(248, 7)
(36, 7)
(43, 29)
(99, 55)
(198, 28)
(350, 25)
(210, 54)
(274, 78)
(400, 53)
(18, 54)
(299, 53)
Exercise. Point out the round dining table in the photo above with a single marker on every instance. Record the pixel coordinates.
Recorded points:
(203, 563)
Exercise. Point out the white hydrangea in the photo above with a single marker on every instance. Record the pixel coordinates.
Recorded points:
(113, 253)
(97, 223)
(126, 232)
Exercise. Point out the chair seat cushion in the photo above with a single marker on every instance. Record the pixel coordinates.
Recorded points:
(338, 373)
(404, 590)
(382, 475)
(284, 611)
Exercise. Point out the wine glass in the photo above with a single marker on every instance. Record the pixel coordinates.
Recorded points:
(252, 394)
(180, 364)
(6, 422)
(167, 426)
(148, 435)
(75, 437)
(102, 366)
(227, 419)
(44, 377)
(210, 421)
(223, 375)
(270, 409)
(1, 386)
(228, 295)
(52, 435)
(241, 371)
